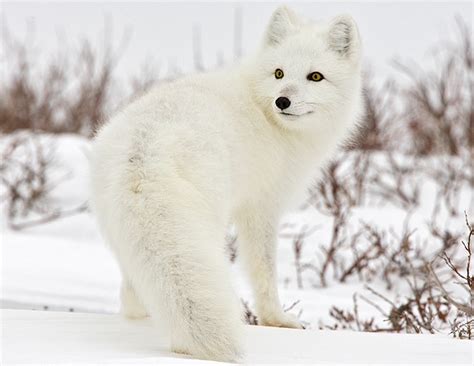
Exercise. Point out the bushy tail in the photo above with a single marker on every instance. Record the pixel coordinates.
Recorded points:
(182, 277)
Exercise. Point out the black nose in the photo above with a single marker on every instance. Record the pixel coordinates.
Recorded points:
(282, 102)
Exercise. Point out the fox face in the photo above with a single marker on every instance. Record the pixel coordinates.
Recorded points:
(308, 74)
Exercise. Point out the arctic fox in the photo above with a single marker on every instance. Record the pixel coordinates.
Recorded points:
(172, 169)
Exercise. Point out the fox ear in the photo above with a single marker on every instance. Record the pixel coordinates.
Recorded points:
(282, 23)
(343, 36)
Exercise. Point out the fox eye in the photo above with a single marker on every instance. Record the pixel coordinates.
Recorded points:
(279, 73)
(315, 76)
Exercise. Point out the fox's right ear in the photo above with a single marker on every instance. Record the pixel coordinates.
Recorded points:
(282, 23)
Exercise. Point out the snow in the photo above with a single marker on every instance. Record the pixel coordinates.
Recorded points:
(58, 271)
(66, 338)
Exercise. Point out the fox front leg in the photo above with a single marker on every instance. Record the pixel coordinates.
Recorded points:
(257, 248)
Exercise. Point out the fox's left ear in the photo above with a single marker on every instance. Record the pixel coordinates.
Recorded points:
(343, 37)
(282, 23)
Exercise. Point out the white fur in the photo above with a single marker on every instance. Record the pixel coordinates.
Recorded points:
(175, 167)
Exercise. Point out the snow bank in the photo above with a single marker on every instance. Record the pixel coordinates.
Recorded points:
(56, 337)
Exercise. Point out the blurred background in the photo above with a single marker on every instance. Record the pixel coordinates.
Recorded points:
(383, 241)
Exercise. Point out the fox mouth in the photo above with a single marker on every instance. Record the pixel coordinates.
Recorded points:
(295, 115)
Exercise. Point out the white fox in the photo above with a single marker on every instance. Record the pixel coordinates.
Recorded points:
(172, 169)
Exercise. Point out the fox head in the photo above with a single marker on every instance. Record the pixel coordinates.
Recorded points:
(307, 76)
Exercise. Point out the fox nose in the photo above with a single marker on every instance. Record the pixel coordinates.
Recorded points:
(282, 102)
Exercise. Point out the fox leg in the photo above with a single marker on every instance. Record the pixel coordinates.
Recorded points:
(257, 250)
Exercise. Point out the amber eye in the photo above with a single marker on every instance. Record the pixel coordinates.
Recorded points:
(315, 76)
(279, 73)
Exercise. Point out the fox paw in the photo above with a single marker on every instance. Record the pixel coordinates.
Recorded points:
(281, 320)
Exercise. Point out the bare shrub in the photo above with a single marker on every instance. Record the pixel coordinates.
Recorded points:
(77, 90)
(71, 94)
(362, 260)
(358, 249)
(143, 81)
(332, 193)
(26, 182)
(298, 241)
(461, 273)
(376, 130)
(393, 181)
(419, 312)
(428, 306)
(350, 319)
(25, 168)
(438, 102)
(452, 175)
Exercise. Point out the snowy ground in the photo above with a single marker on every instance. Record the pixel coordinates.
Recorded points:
(52, 337)
(64, 266)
